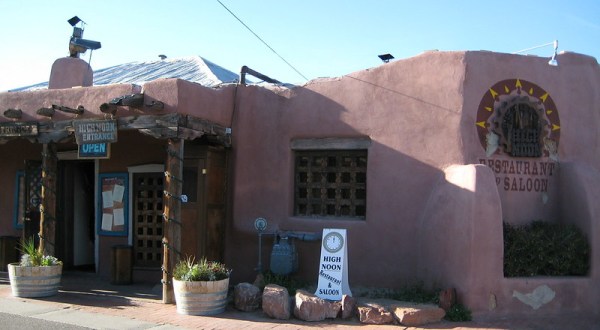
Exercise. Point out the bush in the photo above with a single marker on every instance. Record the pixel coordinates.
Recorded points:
(189, 270)
(545, 249)
(458, 313)
(286, 281)
(33, 257)
(415, 293)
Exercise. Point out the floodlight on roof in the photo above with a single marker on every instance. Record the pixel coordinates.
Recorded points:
(386, 57)
(553, 61)
(74, 20)
(78, 45)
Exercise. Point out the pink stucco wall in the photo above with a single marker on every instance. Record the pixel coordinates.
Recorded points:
(422, 222)
(414, 133)
(89, 97)
(190, 98)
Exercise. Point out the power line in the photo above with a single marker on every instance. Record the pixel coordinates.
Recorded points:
(259, 38)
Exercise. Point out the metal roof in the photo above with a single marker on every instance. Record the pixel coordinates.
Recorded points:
(194, 68)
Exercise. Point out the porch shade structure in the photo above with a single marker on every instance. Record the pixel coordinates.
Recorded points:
(131, 112)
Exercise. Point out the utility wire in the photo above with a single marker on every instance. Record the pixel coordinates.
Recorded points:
(259, 38)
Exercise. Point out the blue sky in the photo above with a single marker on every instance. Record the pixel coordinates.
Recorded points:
(319, 38)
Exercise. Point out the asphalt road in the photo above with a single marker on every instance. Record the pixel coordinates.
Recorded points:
(12, 321)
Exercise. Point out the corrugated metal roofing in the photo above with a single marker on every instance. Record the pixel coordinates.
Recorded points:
(195, 69)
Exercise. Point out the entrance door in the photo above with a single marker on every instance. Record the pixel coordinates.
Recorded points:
(75, 234)
(203, 215)
(193, 235)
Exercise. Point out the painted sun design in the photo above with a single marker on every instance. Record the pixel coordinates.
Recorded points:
(514, 103)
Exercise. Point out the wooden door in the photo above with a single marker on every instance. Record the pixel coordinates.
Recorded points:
(203, 215)
(193, 221)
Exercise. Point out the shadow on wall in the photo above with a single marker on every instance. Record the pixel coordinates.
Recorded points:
(398, 186)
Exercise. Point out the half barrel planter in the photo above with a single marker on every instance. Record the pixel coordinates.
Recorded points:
(201, 297)
(34, 281)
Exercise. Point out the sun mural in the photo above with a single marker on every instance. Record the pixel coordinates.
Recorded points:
(519, 119)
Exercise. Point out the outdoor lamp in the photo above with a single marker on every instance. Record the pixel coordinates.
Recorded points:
(553, 61)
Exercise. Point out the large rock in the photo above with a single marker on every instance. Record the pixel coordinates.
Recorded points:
(309, 307)
(246, 297)
(276, 302)
(447, 298)
(348, 306)
(414, 315)
(374, 312)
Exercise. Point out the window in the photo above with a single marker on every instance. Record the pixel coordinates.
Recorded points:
(331, 183)
(522, 128)
(148, 219)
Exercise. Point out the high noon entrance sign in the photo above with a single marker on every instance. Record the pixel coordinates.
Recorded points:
(95, 131)
(333, 267)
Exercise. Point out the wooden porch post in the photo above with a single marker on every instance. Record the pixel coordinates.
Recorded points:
(48, 203)
(172, 215)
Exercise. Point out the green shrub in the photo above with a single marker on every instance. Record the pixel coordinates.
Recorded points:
(545, 249)
(458, 313)
(415, 293)
(286, 281)
(31, 256)
(189, 270)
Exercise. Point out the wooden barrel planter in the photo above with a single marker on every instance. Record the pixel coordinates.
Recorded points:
(34, 281)
(201, 297)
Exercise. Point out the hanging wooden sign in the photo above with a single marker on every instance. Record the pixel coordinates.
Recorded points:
(19, 129)
(333, 267)
(95, 131)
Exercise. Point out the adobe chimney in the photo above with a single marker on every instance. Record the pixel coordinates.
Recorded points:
(68, 72)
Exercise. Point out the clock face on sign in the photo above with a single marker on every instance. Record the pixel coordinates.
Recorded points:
(333, 242)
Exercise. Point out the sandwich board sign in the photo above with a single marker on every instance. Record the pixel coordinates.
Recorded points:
(333, 265)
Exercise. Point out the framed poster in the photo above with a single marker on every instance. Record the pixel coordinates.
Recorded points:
(113, 211)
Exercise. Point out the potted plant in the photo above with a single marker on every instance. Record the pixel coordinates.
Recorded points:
(36, 275)
(200, 287)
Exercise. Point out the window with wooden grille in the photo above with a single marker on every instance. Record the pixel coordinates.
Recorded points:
(148, 220)
(331, 183)
(522, 128)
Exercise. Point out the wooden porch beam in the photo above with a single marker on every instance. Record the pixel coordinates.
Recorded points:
(48, 203)
(172, 215)
(166, 126)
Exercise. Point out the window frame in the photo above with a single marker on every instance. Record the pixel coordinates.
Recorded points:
(338, 195)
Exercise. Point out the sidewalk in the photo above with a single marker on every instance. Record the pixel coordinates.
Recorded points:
(88, 301)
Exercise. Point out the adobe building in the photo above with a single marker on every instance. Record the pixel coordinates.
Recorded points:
(421, 160)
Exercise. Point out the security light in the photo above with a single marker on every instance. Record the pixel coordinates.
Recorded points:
(74, 20)
(386, 57)
(553, 61)
(78, 45)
